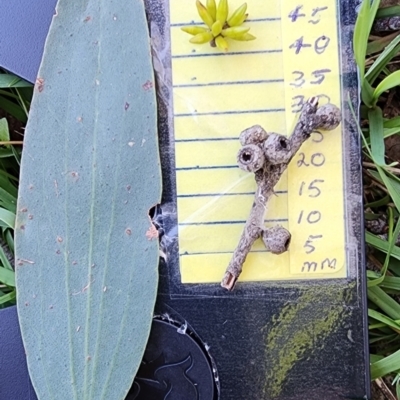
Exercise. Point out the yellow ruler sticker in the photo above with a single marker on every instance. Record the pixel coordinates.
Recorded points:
(265, 82)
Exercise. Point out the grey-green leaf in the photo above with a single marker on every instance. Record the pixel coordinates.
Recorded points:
(86, 272)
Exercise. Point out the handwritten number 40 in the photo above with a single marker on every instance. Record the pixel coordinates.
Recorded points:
(320, 44)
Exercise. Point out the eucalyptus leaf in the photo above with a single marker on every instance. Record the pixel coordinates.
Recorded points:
(86, 271)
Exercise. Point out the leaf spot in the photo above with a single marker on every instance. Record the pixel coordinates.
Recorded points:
(152, 233)
(87, 19)
(131, 144)
(128, 231)
(22, 261)
(30, 216)
(75, 175)
(24, 209)
(39, 84)
(79, 119)
(56, 188)
(147, 85)
(59, 239)
(126, 106)
(88, 285)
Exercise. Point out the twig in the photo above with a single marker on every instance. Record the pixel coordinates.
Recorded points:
(268, 156)
(393, 170)
(12, 142)
(375, 181)
(384, 389)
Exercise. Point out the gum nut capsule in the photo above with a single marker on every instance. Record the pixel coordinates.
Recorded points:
(329, 117)
(276, 239)
(277, 149)
(250, 158)
(253, 135)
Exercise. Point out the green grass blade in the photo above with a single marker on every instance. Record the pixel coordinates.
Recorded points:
(13, 109)
(385, 366)
(392, 123)
(384, 319)
(378, 45)
(367, 93)
(384, 302)
(392, 11)
(8, 81)
(392, 185)
(372, 14)
(381, 244)
(378, 203)
(391, 242)
(360, 37)
(7, 277)
(381, 62)
(376, 135)
(388, 83)
(8, 297)
(10, 240)
(375, 357)
(7, 218)
(4, 132)
(391, 282)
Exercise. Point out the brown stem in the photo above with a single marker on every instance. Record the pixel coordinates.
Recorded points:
(278, 152)
(12, 142)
